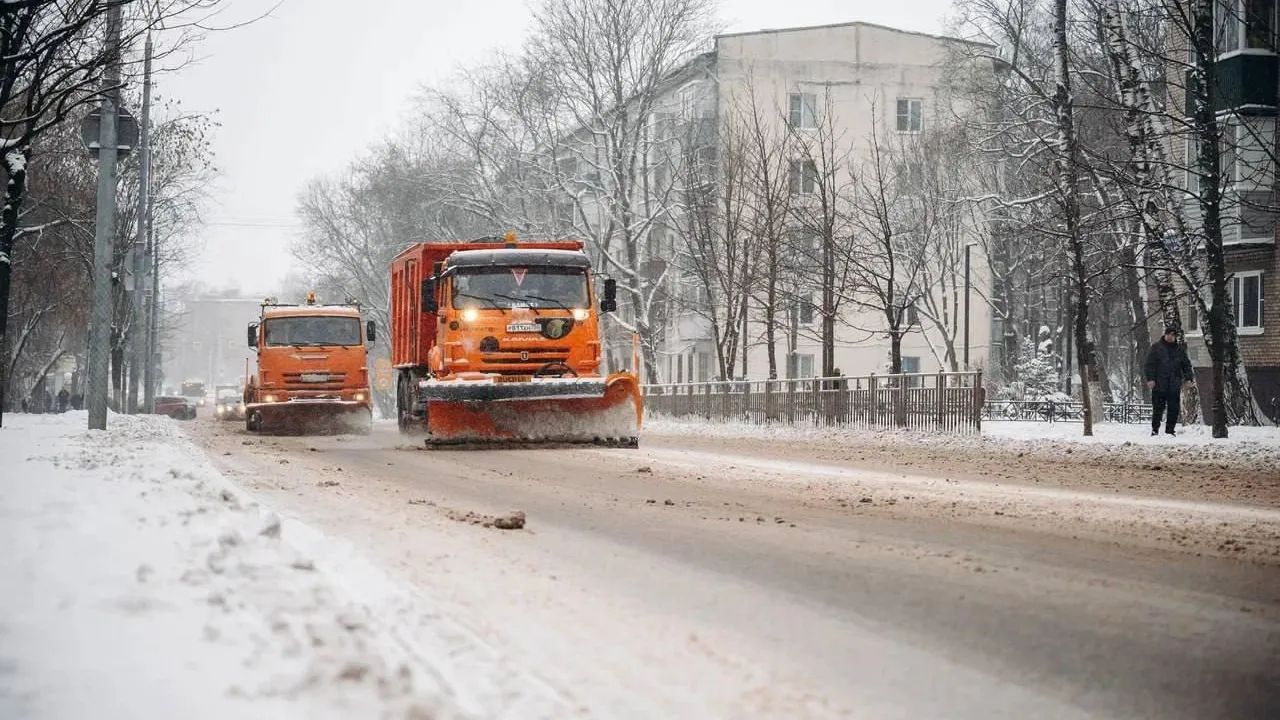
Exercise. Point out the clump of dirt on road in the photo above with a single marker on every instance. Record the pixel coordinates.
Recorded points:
(513, 520)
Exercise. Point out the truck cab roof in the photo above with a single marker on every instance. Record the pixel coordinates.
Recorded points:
(271, 311)
(509, 257)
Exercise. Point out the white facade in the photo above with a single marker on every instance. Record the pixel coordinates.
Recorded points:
(846, 77)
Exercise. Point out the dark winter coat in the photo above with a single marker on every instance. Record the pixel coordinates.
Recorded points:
(1168, 365)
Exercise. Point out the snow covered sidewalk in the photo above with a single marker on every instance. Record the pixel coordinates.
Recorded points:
(136, 582)
(1256, 448)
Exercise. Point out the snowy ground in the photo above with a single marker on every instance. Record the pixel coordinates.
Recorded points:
(186, 570)
(138, 583)
(1246, 447)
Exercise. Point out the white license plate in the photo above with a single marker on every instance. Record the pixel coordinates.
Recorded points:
(314, 377)
(523, 327)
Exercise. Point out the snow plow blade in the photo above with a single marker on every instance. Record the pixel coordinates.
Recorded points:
(309, 417)
(595, 410)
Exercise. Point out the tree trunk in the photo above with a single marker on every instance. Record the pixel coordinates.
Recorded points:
(15, 161)
(1068, 184)
(828, 306)
(771, 314)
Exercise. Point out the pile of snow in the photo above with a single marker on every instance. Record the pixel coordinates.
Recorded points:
(136, 582)
(1252, 447)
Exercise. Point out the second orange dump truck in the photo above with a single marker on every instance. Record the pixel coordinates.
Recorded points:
(498, 340)
(312, 372)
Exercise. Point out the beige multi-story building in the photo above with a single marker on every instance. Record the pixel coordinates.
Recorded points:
(817, 92)
(833, 84)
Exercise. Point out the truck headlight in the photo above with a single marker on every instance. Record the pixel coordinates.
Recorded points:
(580, 314)
(268, 398)
(470, 315)
(359, 397)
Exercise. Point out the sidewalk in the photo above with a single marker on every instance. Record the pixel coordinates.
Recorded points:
(137, 583)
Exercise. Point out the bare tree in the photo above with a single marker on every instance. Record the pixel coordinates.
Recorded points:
(715, 196)
(819, 182)
(887, 267)
(52, 58)
(768, 168)
(612, 58)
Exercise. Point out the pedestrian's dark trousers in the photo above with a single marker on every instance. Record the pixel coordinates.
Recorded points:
(1163, 401)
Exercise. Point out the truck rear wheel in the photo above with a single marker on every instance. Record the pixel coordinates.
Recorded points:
(406, 398)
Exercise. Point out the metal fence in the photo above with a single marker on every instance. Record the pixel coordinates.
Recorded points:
(947, 402)
(1054, 411)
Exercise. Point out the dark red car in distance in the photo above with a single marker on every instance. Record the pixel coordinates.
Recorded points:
(176, 407)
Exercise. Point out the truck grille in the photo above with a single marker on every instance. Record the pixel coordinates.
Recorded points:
(311, 379)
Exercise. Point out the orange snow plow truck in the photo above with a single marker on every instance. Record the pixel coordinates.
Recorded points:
(498, 340)
(313, 374)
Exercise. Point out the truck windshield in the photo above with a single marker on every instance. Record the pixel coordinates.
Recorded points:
(193, 389)
(535, 287)
(313, 330)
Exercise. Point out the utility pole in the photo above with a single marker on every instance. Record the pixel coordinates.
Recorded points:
(104, 232)
(153, 324)
(138, 326)
(967, 248)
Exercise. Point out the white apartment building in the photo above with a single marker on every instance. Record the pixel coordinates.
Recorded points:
(853, 74)
(849, 77)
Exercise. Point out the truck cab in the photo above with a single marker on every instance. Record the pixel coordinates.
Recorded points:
(515, 312)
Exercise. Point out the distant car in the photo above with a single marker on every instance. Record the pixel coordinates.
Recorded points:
(194, 389)
(229, 404)
(176, 407)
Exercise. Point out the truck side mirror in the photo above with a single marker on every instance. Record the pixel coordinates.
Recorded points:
(370, 331)
(429, 303)
(253, 335)
(610, 301)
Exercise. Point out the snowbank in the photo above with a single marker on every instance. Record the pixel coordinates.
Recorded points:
(136, 582)
(1253, 447)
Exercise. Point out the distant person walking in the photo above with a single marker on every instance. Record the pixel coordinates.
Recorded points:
(1167, 369)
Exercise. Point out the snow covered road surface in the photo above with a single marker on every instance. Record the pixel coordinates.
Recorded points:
(698, 577)
(137, 583)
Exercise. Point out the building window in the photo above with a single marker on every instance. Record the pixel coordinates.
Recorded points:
(910, 117)
(704, 367)
(911, 364)
(805, 309)
(1249, 159)
(1244, 25)
(1193, 171)
(1193, 316)
(1245, 291)
(804, 365)
(803, 110)
(803, 177)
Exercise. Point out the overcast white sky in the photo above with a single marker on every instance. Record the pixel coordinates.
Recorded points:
(303, 91)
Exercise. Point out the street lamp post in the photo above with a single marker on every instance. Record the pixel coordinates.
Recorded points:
(967, 247)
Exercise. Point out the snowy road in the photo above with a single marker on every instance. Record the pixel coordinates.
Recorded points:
(711, 578)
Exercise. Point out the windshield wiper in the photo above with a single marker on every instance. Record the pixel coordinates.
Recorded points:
(518, 300)
(558, 303)
(489, 300)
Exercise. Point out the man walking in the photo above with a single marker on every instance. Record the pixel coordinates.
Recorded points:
(1167, 369)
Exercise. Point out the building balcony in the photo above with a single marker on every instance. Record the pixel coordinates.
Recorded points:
(1246, 82)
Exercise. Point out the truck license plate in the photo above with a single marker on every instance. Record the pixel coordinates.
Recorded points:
(314, 377)
(522, 327)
